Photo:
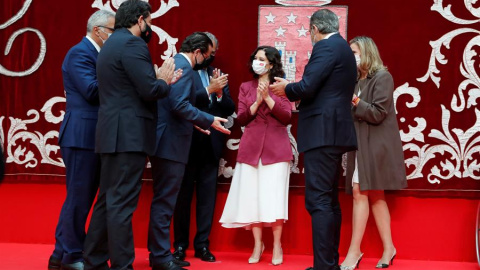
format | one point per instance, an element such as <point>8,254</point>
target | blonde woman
<point>378,164</point>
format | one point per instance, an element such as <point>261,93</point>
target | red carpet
<point>28,256</point>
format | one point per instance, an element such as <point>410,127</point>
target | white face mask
<point>108,35</point>
<point>357,59</point>
<point>259,67</point>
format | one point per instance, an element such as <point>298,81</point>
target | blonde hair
<point>370,60</point>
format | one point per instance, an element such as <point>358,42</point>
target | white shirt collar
<point>329,35</point>
<point>94,43</point>
<point>188,58</point>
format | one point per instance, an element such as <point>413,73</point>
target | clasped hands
<point>217,82</point>
<point>167,71</point>
<point>262,92</point>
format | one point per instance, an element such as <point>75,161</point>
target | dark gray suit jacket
<point>128,91</point>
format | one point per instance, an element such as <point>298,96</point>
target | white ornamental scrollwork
<point>447,12</point>
<point>19,130</point>
<point>456,147</point>
<point>415,132</point>
<point>436,55</point>
<point>459,148</point>
<point>43,43</point>
<point>468,71</point>
<point>2,134</point>
<point>164,8</point>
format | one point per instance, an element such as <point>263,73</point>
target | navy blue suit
<point>77,142</point>
<point>176,117</point>
<point>202,168</point>
<point>325,132</point>
<point>128,90</point>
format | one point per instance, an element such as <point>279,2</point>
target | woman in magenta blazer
<point>258,194</point>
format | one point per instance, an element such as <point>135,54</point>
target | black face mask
<point>198,66</point>
<point>147,34</point>
<point>207,62</point>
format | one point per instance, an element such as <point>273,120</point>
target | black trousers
<point>202,172</point>
<point>167,178</point>
<point>322,172</point>
<point>110,233</point>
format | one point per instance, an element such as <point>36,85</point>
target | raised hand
<point>263,87</point>
<point>176,75</point>
<point>166,71</point>
<point>217,83</point>
<point>216,72</point>
<point>259,99</point>
<point>278,87</point>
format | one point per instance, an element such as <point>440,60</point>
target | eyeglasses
<point>106,27</point>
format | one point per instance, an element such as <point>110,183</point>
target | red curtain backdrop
<point>430,47</point>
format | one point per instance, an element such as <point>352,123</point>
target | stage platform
<point>35,256</point>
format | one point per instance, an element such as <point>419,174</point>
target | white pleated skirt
<point>258,194</point>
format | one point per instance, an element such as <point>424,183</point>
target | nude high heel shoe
<point>279,260</point>
<point>385,265</point>
<point>252,259</point>
<point>357,263</point>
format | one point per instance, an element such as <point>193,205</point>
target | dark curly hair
<point>275,60</point>
<point>129,11</point>
<point>197,40</point>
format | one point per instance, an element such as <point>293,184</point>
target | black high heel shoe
<point>384,265</point>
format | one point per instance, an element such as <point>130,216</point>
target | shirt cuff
<point>208,94</point>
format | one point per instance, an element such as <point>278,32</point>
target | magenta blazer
<point>265,134</point>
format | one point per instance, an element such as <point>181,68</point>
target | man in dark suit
<point>129,86</point>
<point>213,97</point>
<point>176,117</point>
<point>325,129</point>
<point>77,141</point>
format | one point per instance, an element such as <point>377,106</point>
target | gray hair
<point>99,18</point>
<point>212,37</point>
<point>325,20</point>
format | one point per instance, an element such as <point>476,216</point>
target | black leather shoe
<point>204,254</point>
<point>309,268</point>
<point>179,254</point>
<point>72,266</point>
<point>167,266</point>
<point>54,263</point>
<point>181,263</point>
